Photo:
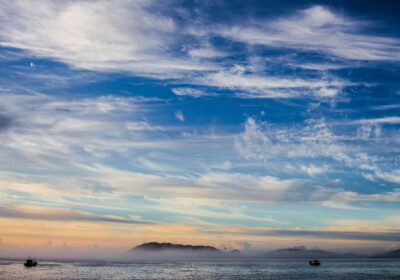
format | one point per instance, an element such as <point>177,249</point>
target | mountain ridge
<point>390,254</point>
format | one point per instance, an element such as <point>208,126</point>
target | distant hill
<point>299,253</point>
<point>156,247</point>
<point>391,254</point>
<point>235,251</point>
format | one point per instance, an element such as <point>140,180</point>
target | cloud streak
<point>61,215</point>
<point>323,234</point>
<point>305,30</point>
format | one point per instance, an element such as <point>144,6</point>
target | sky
<point>247,124</point>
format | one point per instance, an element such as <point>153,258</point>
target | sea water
<point>268,269</point>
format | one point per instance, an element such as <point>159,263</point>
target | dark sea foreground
<point>268,269</point>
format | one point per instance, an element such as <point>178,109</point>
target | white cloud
<point>384,120</point>
<point>386,107</point>
<point>253,142</point>
<point>143,126</point>
<point>318,29</point>
<point>179,115</point>
<point>368,131</point>
<point>187,91</point>
<point>321,66</point>
<point>96,35</point>
<point>101,36</point>
<point>235,181</point>
<point>109,127</point>
<point>327,92</point>
<point>239,186</point>
<point>315,139</point>
<point>393,176</point>
<point>314,170</point>
<point>255,85</point>
<point>206,53</point>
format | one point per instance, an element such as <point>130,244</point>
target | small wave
<point>92,264</point>
<point>49,264</point>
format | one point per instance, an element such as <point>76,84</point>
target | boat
<point>30,262</point>
<point>314,262</point>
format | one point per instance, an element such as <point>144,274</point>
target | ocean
<point>269,269</point>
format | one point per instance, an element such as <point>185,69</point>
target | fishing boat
<point>30,262</point>
<point>314,262</point>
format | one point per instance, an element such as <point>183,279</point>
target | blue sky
<point>218,122</point>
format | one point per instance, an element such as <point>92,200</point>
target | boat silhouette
<point>30,262</point>
<point>314,262</point>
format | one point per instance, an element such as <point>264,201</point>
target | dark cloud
<point>343,235</point>
<point>62,215</point>
<point>5,122</point>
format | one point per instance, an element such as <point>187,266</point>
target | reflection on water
<point>283,269</point>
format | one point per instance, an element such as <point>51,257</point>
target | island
<point>157,247</point>
<point>389,255</point>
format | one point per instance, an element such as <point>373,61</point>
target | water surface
<point>268,269</point>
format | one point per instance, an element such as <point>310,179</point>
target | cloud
<point>321,66</point>
<point>60,215</point>
<point>88,36</point>
<point>5,122</point>
<point>253,142</point>
<point>325,234</point>
<point>207,52</point>
<point>386,107</point>
<point>393,176</point>
<point>97,35</point>
<point>155,45</point>
<point>142,126</point>
<point>314,170</point>
<point>318,29</point>
<point>186,91</point>
<point>314,139</point>
<point>246,186</point>
<point>337,195</point>
<point>368,131</point>
<point>262,141</point>
<point>44,139</point>
<point>384,120</point>
<point>107,153</point>
<point>208,185</point>
<point>257,85</point>
<point>179,115</point>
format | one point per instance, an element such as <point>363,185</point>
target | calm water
<point>330,269</point>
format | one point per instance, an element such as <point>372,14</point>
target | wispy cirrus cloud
<point>261,85</point>
<point>97,35</point>
<point>324,234</point>
<point>155,45</point>
<point>342,36</point>
<point>61,215</point>
<point>393,176</point>
<point>187,91</point>
<point>179,115</point>
<point>383,120</point>
<point>47,136</point>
